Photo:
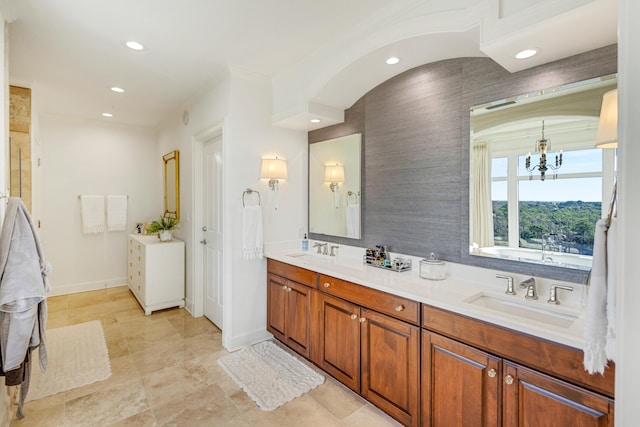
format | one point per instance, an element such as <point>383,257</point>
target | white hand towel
<point>116,213</point>
<point>595,324</point>
<point>252,232</point>
<point>92,214</point>
<point>612,258</point>
<point>353,221</point>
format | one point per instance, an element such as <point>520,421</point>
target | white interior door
<point>212,230</point>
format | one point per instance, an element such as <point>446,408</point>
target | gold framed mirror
<point>171,163</point>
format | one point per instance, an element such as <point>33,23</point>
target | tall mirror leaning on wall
<point>538,184</point>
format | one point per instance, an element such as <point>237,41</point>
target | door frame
<point>198,141</point>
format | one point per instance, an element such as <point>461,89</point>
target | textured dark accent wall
<point>415,128</point>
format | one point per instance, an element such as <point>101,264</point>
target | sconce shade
<point>607,136</point>
<point>274,169</point>
<point>334,173</point>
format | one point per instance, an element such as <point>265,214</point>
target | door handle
<point>204,241</point>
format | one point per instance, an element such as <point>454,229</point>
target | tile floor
<point>164,373</point>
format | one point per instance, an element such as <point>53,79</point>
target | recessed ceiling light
<point>117,89</point>
<point>392,60</point>
<point>107,115</point>
<point>527,53</point>
<point>315,120</point>
<point>134,45</point>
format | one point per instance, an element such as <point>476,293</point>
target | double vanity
<point>459,351</point>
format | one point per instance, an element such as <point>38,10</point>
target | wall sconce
<point>607,136</point>
<point>273,170</point>
<point>335,176</point>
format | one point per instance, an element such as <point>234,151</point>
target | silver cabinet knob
<point>363,319</point>
<point>354,316</point>
<point>204,228</point>
<point>203,241</point>
<point>508,379</point>
<point>327,284</point>
<point>400,307</point>
<point>492,373</point>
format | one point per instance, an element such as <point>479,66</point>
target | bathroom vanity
<point>156,272</point>
<point>426,354</point>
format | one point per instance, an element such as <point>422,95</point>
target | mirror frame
<point>171,162</point>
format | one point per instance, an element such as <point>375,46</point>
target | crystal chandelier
<point>542,146</point>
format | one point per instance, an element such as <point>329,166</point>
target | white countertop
<point>462,283</point>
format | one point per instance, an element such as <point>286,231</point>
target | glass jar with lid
<point>432,268</point>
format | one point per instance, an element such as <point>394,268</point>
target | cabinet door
<point>535,399</point>
<point>391,365</point>
<point>460,384</point>
<point>276,300</point>
<point>337,339</point>
<point>297,317</point>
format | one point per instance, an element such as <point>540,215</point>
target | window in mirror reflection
<point>514,214</point>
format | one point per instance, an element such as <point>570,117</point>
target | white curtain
<point>482,209</point>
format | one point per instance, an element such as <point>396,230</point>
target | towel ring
<point>250,191</point>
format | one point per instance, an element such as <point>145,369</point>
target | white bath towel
<point>353,221</point>
<point>116,213</point>
<point>252,232</point>
<point>601,288</point>
<point>612,257</point>
<point>92,213</point>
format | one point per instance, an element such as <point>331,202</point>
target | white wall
<point>241,107</point>
<point>628,315</point>
<point>92,157</point>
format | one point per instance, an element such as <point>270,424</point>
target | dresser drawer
<point>291,272</point>
<point>395,306</point>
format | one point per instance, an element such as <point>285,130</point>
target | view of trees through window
<point>559,213</point>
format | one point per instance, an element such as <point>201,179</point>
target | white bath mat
<point>270,375</point>
<point>77,355</point>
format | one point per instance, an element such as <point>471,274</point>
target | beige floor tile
<point>123,372</point>
<point>160,356</point>
<point>303,411</point>
<point>205,343</point>
<point>141,419</point>
<point>46,412</point>
<point>207,407</point>
<point>369,416</point>
<point>340,401</point>
<point>106,406</point>
<point>163,386</point>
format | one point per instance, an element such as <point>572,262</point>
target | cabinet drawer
<point>291,272</point>
<point>395,306</point>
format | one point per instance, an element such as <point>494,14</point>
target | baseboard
<point>87,286</point>
<point>244,340</point>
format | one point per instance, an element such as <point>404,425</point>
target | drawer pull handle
<point>327,284</point>
<point>508,379</point>
<point>363,319</point>
<point>354,316</point>
<point>492,373</point>
<point>400,307</point>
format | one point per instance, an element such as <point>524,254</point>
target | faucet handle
<point>530,281</point>
<point>553,293</point>
<point>510,290</point>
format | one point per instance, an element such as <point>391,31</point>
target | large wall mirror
<point>334,187</point>
<point>517,212</point>
<point>171,162</point>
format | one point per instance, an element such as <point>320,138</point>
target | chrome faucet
<point>530,286</point>
<point>510,290</point>
<point>333,250</point>
<point>553,293</point>
<point>322,248</point>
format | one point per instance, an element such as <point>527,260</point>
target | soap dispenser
<point>305,243</point>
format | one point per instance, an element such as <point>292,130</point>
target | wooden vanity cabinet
<point>481,375</point>
<point>289,305</point>
<point>372,353</point>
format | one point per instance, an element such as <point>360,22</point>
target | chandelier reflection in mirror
<point>542,146</point>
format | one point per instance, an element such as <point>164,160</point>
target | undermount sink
<point>555,316</point>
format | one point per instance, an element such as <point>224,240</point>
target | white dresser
<point>156,272</point>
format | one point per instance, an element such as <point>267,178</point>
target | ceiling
<point>72,52</point>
